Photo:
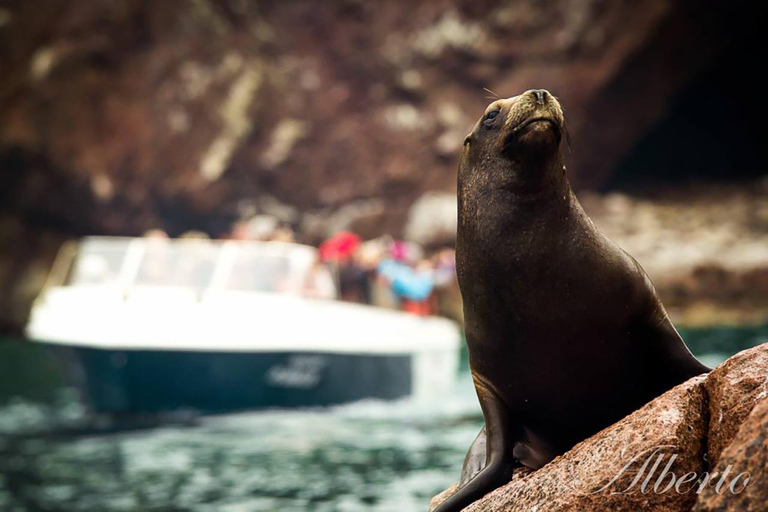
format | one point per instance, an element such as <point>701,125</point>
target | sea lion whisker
<point>566,136</point>
<point>494,95</point>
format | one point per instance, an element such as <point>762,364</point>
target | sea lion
<point>566,333</point>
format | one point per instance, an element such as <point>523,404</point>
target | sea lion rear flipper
<point>667,348</point>
<point>668,361</point>
<point>499,460</point>
<point>671,351</point>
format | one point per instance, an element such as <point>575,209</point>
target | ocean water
<point>365,456</point>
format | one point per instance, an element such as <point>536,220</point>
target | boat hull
<point>153,381</point>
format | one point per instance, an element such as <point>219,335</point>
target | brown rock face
<point>598,474</point>
<point>118,117</point>
<point>121,116</point>
<point>747,455</point>
<point>734,388</point>
<point>26,256</point>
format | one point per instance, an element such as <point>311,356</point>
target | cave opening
<point>712,132</point>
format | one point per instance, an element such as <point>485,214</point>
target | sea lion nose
<point>540,95</point>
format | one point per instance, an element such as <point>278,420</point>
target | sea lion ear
<point>467,139</point>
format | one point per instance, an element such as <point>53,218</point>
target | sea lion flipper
<point>654,326</point>
<point>475,460</point>
<point>499,459</point>
<point>670,350</point>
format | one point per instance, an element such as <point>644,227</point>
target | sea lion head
<point>516,143</point>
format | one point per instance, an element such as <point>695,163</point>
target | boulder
<point>440,498</point>
<point>734,388</point>
<point>745,462</point>
<point>701,446</point>
<point>601,473</point>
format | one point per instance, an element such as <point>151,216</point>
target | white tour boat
<point>155,325</point>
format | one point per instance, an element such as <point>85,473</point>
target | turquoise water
<point>364,456</point>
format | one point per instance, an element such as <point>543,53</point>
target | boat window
<point>271,269</point>
<point>98,262</point>
<point>202,264</point>
<point>186,263</point>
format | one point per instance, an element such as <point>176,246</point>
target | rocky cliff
<point>701,446</point>
<point>121,116</point>
<point>117,117</point>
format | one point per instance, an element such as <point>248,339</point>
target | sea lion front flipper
<point>475,460</point>
<point>499,460</point>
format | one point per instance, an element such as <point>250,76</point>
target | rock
<point>169,115</point>
<point>174,110</point>
<point>707,424</point>
<point>747,455</point>
<point>27,254</point>
<point>437,500</point>
<point>432,219</point>
<point>734,388</point>
<point>585,478</point>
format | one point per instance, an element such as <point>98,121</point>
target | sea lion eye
<point>490,116</point>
